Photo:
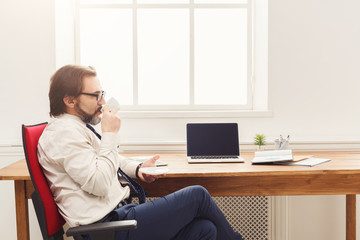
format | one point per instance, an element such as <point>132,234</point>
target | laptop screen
<point>212,139</point>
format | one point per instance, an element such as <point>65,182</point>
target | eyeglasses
<point>98,96</point>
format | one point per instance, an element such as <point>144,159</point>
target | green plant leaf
<point>259,139</point>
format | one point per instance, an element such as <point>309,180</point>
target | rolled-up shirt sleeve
<point>129,166</point>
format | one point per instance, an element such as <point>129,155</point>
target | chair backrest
<point>50,220</point>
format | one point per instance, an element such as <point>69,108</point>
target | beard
<point>88,118</point>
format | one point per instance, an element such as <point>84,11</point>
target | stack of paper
<point>285,157</point>
<point>307,162</point>
<point>272,156</point>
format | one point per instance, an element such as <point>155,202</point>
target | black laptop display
<point>213,142</point>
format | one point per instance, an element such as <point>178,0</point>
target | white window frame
<point>257,90</point>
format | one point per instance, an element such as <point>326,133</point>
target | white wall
<point>314,90</point>
<point>27,60</point>
<point>314,54</point>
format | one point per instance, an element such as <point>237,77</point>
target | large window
<point>169,54</point>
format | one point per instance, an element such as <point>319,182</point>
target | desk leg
<point>351,217</point>
<point>22,214</point>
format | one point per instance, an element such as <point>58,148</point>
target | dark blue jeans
<point>188,214</point>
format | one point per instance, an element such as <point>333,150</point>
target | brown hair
<point>66,81</point>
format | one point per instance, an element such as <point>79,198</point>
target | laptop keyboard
<point>214,157</point>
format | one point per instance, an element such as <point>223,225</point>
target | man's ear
<point>69,101</point>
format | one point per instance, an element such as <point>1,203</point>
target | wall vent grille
<point>250,216</point>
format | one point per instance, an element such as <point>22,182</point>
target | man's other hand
<point>149,163</point>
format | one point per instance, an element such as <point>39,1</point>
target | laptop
<point>212,143</point>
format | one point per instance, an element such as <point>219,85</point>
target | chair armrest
<point>102,227</point>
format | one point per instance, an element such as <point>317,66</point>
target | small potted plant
<point>259,141</point>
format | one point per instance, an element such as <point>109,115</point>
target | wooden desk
<point>341,176</point>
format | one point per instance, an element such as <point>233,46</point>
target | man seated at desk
<point>83,169</point>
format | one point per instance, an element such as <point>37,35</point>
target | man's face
<point>88,107</point>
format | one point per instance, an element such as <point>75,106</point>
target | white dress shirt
<point>82,170</point>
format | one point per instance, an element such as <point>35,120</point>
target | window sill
<point>197,114</point>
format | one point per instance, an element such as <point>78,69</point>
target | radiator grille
<point>247,215</point>
<point>250,216</point>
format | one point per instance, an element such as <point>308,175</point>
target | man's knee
<point>198,190</point>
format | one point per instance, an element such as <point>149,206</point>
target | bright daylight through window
<point>168,54</point>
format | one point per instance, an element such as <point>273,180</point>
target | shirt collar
<point>71,116</point>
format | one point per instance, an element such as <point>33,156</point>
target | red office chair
<point>50,221</point>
